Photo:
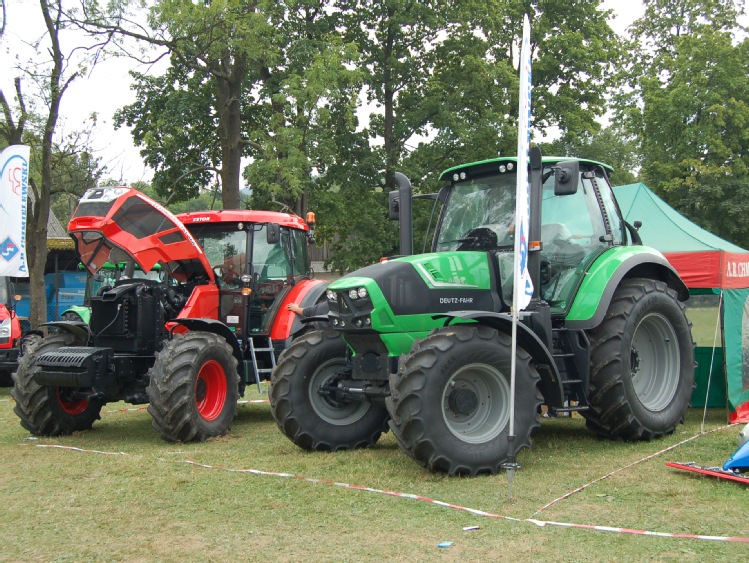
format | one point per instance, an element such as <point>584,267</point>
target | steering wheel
<point>269,289</point>
<point>481,238</point>
<point>551,232</point>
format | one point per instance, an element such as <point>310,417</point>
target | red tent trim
<point>741,415</point>
<point>711,269</point>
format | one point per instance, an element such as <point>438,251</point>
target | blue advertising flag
<point>14,188</point>
<point>523,285</point>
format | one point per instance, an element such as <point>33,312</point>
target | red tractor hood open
<point>120,224</point>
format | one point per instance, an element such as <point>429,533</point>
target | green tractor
<point>426,345</point>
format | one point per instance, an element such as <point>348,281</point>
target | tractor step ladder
<point>565,358</point>
<point>267,348</point>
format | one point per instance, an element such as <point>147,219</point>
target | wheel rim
<point>330,410</point>
<point>655,362</point>
<point>476,403</point>
<point>210,390</point>
<point>72,408</point>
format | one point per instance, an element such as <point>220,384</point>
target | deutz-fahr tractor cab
<point>186,343</point>
<point>428,346</point>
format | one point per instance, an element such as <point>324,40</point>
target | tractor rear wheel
<point>193,388</point>
<point>316,420</point>
<point>450,401</point>
<point>46,410</point>
<point>642,364</point>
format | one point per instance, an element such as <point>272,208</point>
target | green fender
<point>80,310</point>
<point>606,273</point>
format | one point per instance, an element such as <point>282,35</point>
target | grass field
<point>704,320</point>
<point>127,495</point>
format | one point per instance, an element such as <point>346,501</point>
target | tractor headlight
<point>353,294</point>
<point>330,294</point>
<point>362,292</point>
<point>5,328</point>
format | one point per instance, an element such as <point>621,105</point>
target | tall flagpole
<point>522,283</point>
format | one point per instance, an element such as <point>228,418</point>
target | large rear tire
<point>316,421</point>
<point>642,364</point>
<point>46,410</point>
<point>450,401</point>
<point>193,388</point>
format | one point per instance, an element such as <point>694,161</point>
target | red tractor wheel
<point>45,410</point>
<point>193,388</point>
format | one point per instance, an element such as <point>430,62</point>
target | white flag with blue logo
<point>14,188</point>
<point>523,286</point>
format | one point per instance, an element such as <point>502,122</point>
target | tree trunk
<point>229,109</point>
<point>36,253</point>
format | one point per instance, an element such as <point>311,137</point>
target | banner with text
<point>14,187</point>
<point>522,282</point>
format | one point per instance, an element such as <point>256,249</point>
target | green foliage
<point>172,120</point>
<point>610,146</point>
<point>439,80</point>
<point>694,111</point>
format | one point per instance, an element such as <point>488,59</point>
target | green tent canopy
<point>705,262</point>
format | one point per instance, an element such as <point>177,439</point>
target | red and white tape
<point>540,523</point>
<point>646,458</point>
<point>477,512</point>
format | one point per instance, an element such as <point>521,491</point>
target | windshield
<point>479,214</point>
<point>225,246</point>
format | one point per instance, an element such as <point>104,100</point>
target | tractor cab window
<point>299,254</point>
<point>572,235</point>
<point>4,293</point>
<point>271,261</point>
<point>479,215</point>
<point>610,207</point>
<point>226,250</point>
<point>271,272</point>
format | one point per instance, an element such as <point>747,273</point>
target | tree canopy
<point>314,104</point>
<point>689,109</point>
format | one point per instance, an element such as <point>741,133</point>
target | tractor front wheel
<point>305,404</point>
<point>45,410</point>
<point>450,401</point>
<point>193,388</point>
<point>642,363</point>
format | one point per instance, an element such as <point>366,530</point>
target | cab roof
<point>482,167</point>
<point>243,216</point>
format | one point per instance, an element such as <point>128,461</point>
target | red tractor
<point>10,332</point>
<point>186,344</point>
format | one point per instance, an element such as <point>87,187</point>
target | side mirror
<point>394,206</point>
<point>273,233</point>
<point>566,177</point>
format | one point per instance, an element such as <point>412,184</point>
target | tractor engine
<point>130,317</point>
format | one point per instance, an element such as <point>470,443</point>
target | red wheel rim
<point>210,390</point>
<point>71,407</point>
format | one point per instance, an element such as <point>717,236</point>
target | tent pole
<point>712,360</point>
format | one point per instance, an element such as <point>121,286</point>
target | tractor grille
<point>67,357</point>
<point>73,366</point>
